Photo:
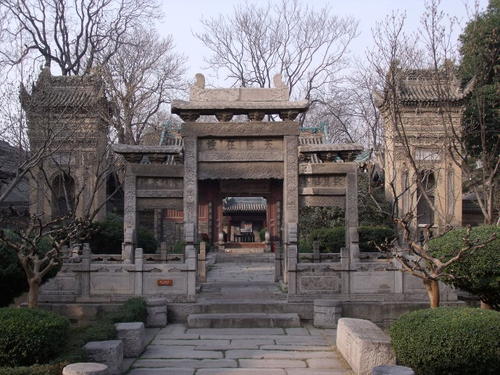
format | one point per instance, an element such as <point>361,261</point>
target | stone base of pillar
<point>157,312</point>
<point>327,312</point>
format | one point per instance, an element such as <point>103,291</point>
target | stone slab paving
<point>237,351</point>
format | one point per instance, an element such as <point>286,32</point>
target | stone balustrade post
<point>316,254</point>
<point>139,268</point>
<point>129,215</point>
<point>85,268</point>
<point>163,252</point>
<point>267,241</point>
<point>351,214</point>
<point>202,262</point>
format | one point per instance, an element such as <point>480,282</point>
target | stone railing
<point>106,278</point>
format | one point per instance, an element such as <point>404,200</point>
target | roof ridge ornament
<point>256,102</point>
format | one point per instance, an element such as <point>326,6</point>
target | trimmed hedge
<point>477,273</point>
<point>332,239</point>
<point>445,341</point>
<point>107,237</point>
<point>12,277</point>
<point>13,281</point>
<point>30,336</point>
<point>370,236</point>
<point>63,345</point>
<point>55,369</point>
<point>134,310</point>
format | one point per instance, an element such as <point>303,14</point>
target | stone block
<point>327,312</point>
<point>133,336</point>
<point>363,345</point>
<point>392,370</point>
<point>85,368</point>
<point>157,312</point>
<point>108,352</point>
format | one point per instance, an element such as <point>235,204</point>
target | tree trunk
<point>432,287</point>
<point>485,306</point>
<point>34,287</point>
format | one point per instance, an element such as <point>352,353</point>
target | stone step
<point>243,258</point>
<point>255,306</point>
<point>244,250</point>
<point>238,290</point>
<point>244,320</point>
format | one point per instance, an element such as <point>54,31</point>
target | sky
<point>182,19</point>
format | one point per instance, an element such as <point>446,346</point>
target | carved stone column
<point>129,216</point>
<point>291,210</point>
<point>190,210</point>
<point>139,268</point>
<point>351,214</point>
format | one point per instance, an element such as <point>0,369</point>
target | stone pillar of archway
<point>190,210</point>
<point>291,210</point>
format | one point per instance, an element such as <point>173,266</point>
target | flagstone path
<point>177,350</point>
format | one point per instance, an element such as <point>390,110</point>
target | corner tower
<point>67,133</point>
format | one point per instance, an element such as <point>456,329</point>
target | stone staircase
<point>246,312</point>
<point>241,293</point>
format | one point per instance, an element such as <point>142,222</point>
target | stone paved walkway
<point>228,272</point>
<point>176,350</point>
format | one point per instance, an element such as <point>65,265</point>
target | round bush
<point>445,341</point>
<point>107,237</point>
<point>477,273</point>
<point>29,336</point>
<point>371,236</point>
<point>12,277</point>
<point>330,239</point>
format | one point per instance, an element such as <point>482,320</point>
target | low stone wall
<point>81,280</point>
<point>365,280</point>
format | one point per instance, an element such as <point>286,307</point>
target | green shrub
<point>179,247</point>
<point>12,277</point>
<point>99,330</point>
<point>30,336</point>
<point>330,239</point>
<point>305,246</point>
<point>448,341</point>
<point>53,369</point>
<point>478,272</point>
<point>134,310</point>
<point>262,234</point>
<point>107,237</point>
<point>146,241</point>
<point>311,218</point>
<point>371,236</point>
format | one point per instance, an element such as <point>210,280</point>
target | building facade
<point>186,181</point>
<point>67,129</point>
<point>422,114</point>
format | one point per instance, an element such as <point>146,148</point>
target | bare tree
<point>416,77</point>
<point>306,46</point>
<point>39,245</point>
<point>416,259</point>
<point>75,35</point>
<point>144,75</point>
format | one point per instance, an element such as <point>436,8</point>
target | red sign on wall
<point>165,282</point>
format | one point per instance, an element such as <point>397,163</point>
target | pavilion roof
<point>64,92</point>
